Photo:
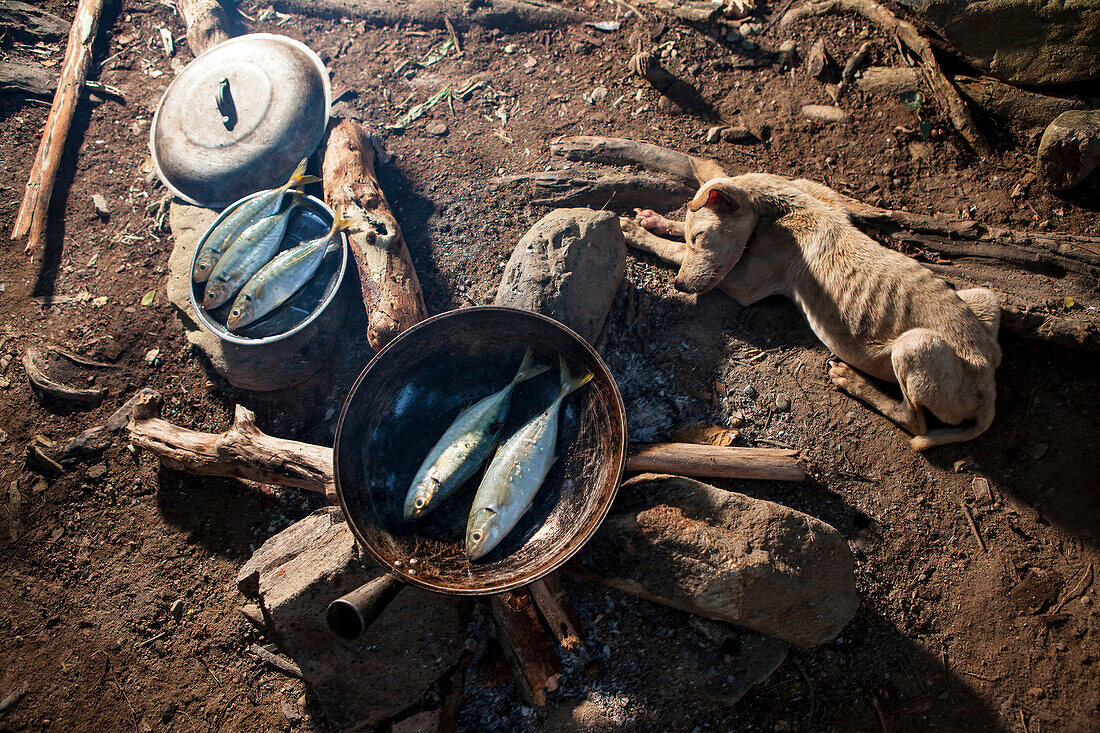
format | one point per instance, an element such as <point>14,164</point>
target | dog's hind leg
<point>986,306</point>
<point>906,414</point>
<point>932,376</point>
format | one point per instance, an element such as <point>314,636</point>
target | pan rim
<point>500,587</point>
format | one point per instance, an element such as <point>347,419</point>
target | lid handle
<point>225,104</point>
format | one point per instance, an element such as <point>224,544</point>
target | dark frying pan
<point>403,402</point>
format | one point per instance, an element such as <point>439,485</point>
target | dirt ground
<point>118,607</point>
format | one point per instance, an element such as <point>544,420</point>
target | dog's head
<point>719,222</point>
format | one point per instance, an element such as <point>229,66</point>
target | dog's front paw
<point>632,230</point>
<point>841,374</point>
<point>652,221</point>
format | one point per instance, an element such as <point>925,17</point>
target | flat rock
<point>1011,103</point>
<point>1021,41</point>
<point>726,556</point>
<point>360,683</point>
<point>1069,149</point>
<point>825,114</point>
<point>567,266</point>
<point>265,367</point>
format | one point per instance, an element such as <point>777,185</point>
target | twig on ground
<point>973,525</point>
<point>150,640</point>
<point>975,675</point>
<point>851,66</point>
<point>283,665</point>
<point>454,36</point>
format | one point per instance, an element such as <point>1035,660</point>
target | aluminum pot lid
<point>239,118</point>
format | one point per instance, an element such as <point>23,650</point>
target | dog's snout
<point>680,285</point>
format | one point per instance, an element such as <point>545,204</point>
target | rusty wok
<point>402,403</point>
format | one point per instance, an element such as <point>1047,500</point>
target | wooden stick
<point>685,95</point>
<point>391,290</point>
<point>243,451</point>
<point>283,665</point>
<point>690,459</point>
<point>34,211</point>
<point>617,192</point>
<point>558,612</point>
<point>907,33</point>
<point>514,15</point>
<point>621,151</point>
<point>207,23</point>
<point>536,667</point>
<point>973,525</point>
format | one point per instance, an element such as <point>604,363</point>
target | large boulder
<point>726,556</point>
<point>1069,149</point>
<point>1021,41</point>
<point>567,266</point>
<point>360,683</point>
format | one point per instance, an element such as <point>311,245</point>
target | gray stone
<point>782,402</point>
<point>825,114</point>
<point>360,683</point>
<point>437,128</point>
<point>726,556</point>
<point>890,79</point>
<point>265,367</point>
<point>1069,149</point>
<point>567,266</point>
<point>1021,41</point>
<point>1010,103</point>
<point>714,134</point>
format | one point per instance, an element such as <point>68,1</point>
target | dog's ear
<point>717,195</point>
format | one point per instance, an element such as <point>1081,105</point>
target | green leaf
<point>149,297</point>
<point>1068,303</point>
<point>925,129</point>
<point>912,100</point>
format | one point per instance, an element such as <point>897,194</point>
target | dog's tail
<point>954,435</point>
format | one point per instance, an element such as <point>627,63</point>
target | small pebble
<point>97,471</point>
<point>749,391</point>
<point>176,609</point>
<point>437,128</point>
<point>782,402</point>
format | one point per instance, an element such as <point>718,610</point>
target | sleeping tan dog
<point>757,235</point>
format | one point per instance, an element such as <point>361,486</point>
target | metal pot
<point>404,400</point>
<point>312,220</point>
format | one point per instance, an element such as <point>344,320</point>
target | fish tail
<point>528,369</point>
<point>299,177</point>
<point>569,385</point>
<point>340,224</point>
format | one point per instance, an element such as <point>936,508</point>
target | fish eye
<point>419,503</point>
<point>476,536</point>
<point>236,311</point>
